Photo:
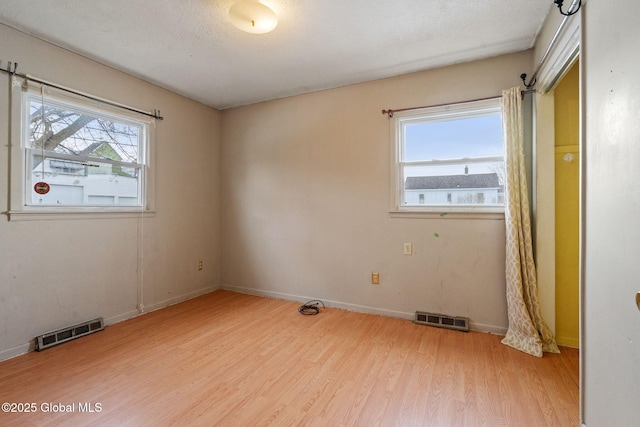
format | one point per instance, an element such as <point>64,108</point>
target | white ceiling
<point>190,47</point>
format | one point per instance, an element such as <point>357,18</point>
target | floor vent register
<point>442,321</point>
<point>69,333</point>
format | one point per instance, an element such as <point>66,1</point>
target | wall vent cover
<point>69,333</point>
<point>442,321</point>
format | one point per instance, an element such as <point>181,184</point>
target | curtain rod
<point>554,39</point>
<point>12,72</point>
<point>390,113</point>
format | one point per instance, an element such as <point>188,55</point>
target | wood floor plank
<point>230,359</point>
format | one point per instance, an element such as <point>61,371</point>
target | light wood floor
<point>239,360</point>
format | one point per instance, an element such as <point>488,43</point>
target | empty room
<point>242,212</point>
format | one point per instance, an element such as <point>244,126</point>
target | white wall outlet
<point>408,249</point>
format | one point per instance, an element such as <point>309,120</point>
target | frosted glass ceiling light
<point>253,17</point>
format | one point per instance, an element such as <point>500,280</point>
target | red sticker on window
<point>41,188</point>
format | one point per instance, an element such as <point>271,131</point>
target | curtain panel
<point>527,330</point>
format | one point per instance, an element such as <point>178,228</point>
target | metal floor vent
<point>442,321</point>
<point>69,333</point>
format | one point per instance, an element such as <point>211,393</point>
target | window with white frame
<point>80,155</point>
<point>449,159</point>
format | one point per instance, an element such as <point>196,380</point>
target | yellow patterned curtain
<point>527,330</point>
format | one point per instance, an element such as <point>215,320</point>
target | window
<point>449,159</point>
<point>79,155</point>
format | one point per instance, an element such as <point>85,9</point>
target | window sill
<point>491,213</point>
<point>50,214</point>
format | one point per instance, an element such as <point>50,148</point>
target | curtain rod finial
<point>569,11</point>
<point>531,84</point>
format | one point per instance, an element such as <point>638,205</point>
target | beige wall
<point>305,198</point>
<point>54,273</point>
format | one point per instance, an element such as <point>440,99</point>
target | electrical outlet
<point>408,248</point>
<point>375,278</point>
<point>200,265</point>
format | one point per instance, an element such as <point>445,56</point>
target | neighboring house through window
<point>454,189</point>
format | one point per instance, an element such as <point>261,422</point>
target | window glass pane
<point>75,183</point>
<point>454,139</point>
<point>457,168</point>
<point>72,131</point>
<point>60,194</point>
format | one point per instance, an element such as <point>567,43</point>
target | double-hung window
<point>81,156</point>
<point>448,159</point>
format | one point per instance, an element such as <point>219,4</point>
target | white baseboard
<point>120,317</point>
<point>30,346</point>
<point>16,351</point>
<point>498,330</point>
<point>330,303</point>
<point>180,298</point>
<point>491,329</point>
<point>158,305</point>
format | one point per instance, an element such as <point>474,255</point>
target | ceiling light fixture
<point>253,17</point>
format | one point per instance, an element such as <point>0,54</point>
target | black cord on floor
<point>310,308</point>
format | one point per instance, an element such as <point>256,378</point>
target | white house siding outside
<point>82,187</point>
<point>453,196</point>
